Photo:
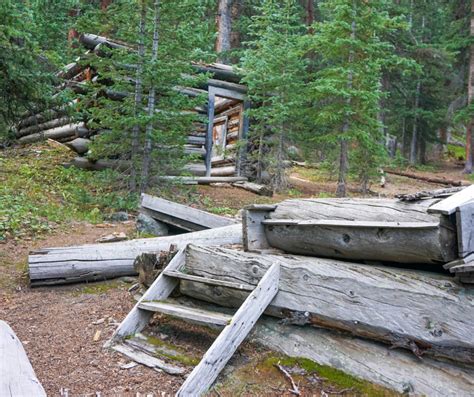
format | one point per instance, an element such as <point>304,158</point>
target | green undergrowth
<point>98,288</point>
<point>38,194</point>
<point>331,376</point>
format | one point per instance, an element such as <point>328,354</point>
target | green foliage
<point>183,37</point>
<point>38,195</point>
<point>274,72</point>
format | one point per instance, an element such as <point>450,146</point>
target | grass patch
<point>37,194</point>
<point>315,175</point>
<point>457,152</point>
<point>172,352</point>
<point>98,288</point>
<point>331,376</point>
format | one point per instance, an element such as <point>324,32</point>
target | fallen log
<point>395,369</point>
<point>91,41</point>
<point>42,127</point>
<point>358,229</point>
<point>79,145</point>
<point>426,313</point>
<point>100,165</point>
<point>55,133</point>
<point>45,115</point>
<point>17,376</point>
<point>261,190</point>
<point>202,180</point>
<point>200,170</point>
<point>440,181</point>
<point>439,193</point>
<point>182,216</point>
<point>66,265</point>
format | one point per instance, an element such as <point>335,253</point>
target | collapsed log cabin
<point>215,142</point>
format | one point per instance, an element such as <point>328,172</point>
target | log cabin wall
<point>214,143</point>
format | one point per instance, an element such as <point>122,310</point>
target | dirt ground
<point>57,325</point>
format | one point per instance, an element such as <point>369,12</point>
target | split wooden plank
<point>465,228</point>
<point>448,206</point>
<point>427,313</point>
<point>104,261</point>
<point>138,318</point>
<point>183,216</point>
<point>468,267</point>
<point>17,376</point>
<point>215,359</point>
<point>148,360</point>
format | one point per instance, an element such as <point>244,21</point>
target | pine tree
<point>346,88</point>
<point>274,72</point>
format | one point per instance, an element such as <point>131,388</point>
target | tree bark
<point>224,28</point>
<point>138,97</point>
<point>53,266</point>
<point>151,105</point>
<point>414,134</point>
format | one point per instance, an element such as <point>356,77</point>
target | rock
<point>120,216</point>
<point>148,225</point>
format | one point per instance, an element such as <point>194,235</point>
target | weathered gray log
<point>423,312</point>
<point>394,369</point>
<point>362,229</point>
<point>17,376</point>
<point>200,170</point>
<point>55,133</point>
<point>261,190</point>
<point>65,265</point>
<point>45,116</point>
<point>100,165</point>
<point>219,71</point>
<point>203,180</point>
<point>79,145</point>
<point>42,127</point>
<point>449,205</point>
<point>182,216</point>
<point>465,229</point>
<point>91,41</point>
<point>438,193</point>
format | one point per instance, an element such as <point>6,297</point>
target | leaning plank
<point>374,362</point>
<point>215,359</point>
<point>104,261</point>
<point>75,129</point>
<point>183,216</point>
<point>17,377</point>
<point>465,229</point>
<point>424,312</point>
<point>448,206</point>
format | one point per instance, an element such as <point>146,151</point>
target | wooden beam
<point>210,128</point>
<point>448,206</point>
<point>465,229</point>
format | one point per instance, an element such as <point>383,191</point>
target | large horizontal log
<point>363,229</point>
<point>100,165</point>
<point>394,369</point>
<point>17,376</point>
<point>182,216</point>
<point>75,129</point>
<point>219,72</point>
<point>200,170</point>
<point>104,261</point>
<point>423,312</point>
<point>42,127</point>
<point>45,115</point>
<point>79,145</point>
<point>91,41</point>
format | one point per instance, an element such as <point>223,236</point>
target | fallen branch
<point>441,181</point>
<point>439,193</point>
<point>294,389</point>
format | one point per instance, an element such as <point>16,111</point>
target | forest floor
<point>42,205</point>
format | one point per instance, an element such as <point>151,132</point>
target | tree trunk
<point>470,96</point>
<point>310,15</point>
<point>52,266</point>
<point>414,134</point>
<point>344,145</point>
<point>224,28</point>
<point>151,106</point>
<point>138,97</point>
<point>428,314</point>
